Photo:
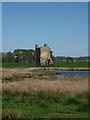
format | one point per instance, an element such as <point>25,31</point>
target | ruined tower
<point>43,55</point>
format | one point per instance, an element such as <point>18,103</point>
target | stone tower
<point>43,55</point>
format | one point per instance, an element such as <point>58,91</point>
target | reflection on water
<point>71,73</point>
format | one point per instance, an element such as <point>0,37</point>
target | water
<point>72,73</point>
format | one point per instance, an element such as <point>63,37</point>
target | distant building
<point>43,55</point>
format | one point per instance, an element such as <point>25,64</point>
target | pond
<point>72,73</point>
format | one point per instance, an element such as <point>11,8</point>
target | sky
<point>45,0</point>
<point>62,25</point>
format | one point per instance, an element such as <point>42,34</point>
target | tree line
<point>19,55</point>
<point>28,56</point>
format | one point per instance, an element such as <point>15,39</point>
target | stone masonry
<point>43,55</point>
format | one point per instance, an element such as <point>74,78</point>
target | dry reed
<point>76,87</point>
<point>75,84</point>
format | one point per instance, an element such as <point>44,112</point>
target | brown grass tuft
<point>11,113</point>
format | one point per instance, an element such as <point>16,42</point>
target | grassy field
<point>16,65</point>
<point>61,64</point>
<point>38,94</point>
<point>44,105</point>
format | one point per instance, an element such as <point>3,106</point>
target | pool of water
<point>72,73</point>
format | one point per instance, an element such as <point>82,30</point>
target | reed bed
<point>28,94</point>
<point>75,87</point>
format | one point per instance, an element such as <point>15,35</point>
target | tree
<point>22,55</point>
<point>4,57</point>
<point>0,59</point>
<point>10,57</point>
<point>52,56</point>
<point>69,59</point>
<point>17,55</point>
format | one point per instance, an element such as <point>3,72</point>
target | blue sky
<point>63,26</point>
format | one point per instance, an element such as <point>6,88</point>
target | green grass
<point>16,65</point>
<point>43,105</point>
<point>74,64</point>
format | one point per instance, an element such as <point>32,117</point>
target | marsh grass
<point>11,113</point>
<point>84,106</point>
<point>50,96</point>
<point>61,85</point>
<point>37,94</point>
<point>43,104</point>
<point>21,75</point>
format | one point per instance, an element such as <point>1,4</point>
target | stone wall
<point>43,55</point>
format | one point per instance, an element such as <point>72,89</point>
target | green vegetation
<point>74,64</point>
<point>44,105</point>
<point>24,95</point>
<point>26,58</point>
<point>36,74</point>
<point>16,65</point>
<point>19,55</point>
